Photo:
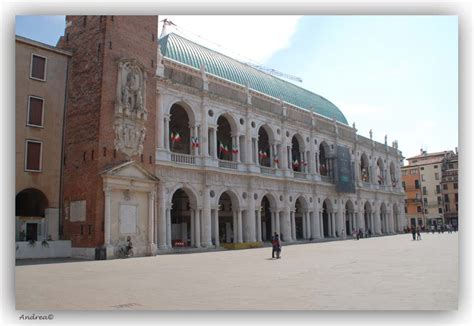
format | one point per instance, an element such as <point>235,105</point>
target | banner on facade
<point>345,175</point>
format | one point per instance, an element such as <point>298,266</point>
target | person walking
<point>360,234</point>
<point>276,246</point>
<point>413,232</point>
<point>275,240</point>
<point>418,234</point>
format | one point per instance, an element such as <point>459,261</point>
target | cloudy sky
<point>396,75</point>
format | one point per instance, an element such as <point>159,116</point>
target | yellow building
<point>41,72</point>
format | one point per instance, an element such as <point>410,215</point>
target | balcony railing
<point>227,165</point>
<point>183,158</point>
<point>299,175</point>
<point>267,170</point>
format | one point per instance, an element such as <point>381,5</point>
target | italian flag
<point>175,138</point>
<point>195,142</point>
<point>223,148</point>
<point>235,150</point>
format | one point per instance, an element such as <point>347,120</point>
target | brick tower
<point>110,115</point>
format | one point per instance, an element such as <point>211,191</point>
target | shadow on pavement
<point>23,262</point>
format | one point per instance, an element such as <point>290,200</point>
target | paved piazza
<point>385,273</point>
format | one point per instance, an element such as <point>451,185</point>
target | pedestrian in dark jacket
<point>413,233</point>
<point>275,244</point>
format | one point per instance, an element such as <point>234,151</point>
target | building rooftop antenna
<point>165,31</point>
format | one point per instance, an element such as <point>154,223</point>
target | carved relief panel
<point>130,108</point>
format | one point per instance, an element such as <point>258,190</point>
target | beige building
<point>449,186</point>
<point>430,169</point>
<point>41,72</point>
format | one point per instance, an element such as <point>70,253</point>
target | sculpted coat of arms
<point>130,110</point>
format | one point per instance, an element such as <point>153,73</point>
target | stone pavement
<point>383,273</point>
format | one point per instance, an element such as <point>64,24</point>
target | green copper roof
<point>187,52</point>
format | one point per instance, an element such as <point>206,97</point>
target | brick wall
<point>97,44</point>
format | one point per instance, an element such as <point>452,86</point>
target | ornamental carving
<point>130,110</point>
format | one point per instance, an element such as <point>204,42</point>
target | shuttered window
<point>35,111</point>
<point>38,67</point>
<point>33,155</point>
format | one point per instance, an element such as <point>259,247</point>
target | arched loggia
<point>297,154</point>
<point>325,168</point>
<point>328,219</point>
<point>265,150</point>
<point>230,218</point>
<point>180,125</point>
<point>350,221</point>
<point>302,223</point>
<point>368,220</point>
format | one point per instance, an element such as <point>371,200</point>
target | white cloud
<point>247,38</point>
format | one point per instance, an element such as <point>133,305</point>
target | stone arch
<point>297,153</point>
<point>226,132</point>
<point>267,207</point>
<point>31,202</point>
<point>265,139</point>
<point>368,218</point>
<point>228,224</point>
<point>181,124</point>
<point>30,210</point>
<point>384,222</point>
<point>301,218</point>
<point>327,211</point>
<point>234,196</point>
<point>324,161</point>
<point>364,168</point>
<point>188,189</point>
<point>396,217</point>
<point>349,213</point>
<point>187,107</point>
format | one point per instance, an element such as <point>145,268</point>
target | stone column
<point>318,164</point>
<point>286,230</point>
<point>197,227</point>
<point>206,220</point>
<point>151,218</point>
<point>293,225</point>
<point>251,219</point>
<point>167,131</point>
<point>204,141</point>
<point>235,226</point>
<point>272,151</point>
<point>259,225</point>
<point>192,213</point>
<point>290,158</point>
<point>321,225</point>
<point>284,157</point>
<point>239,223</point>
<point>107,216</point>
<point>162,217</point>
<point>196,135</point>
<point>277,222</point>
<point>215,218</point>
<point>333,224</point>
<point>214,142</point>
<point>255,149</point>
<point>168,227</point>
<point>308,225</point>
